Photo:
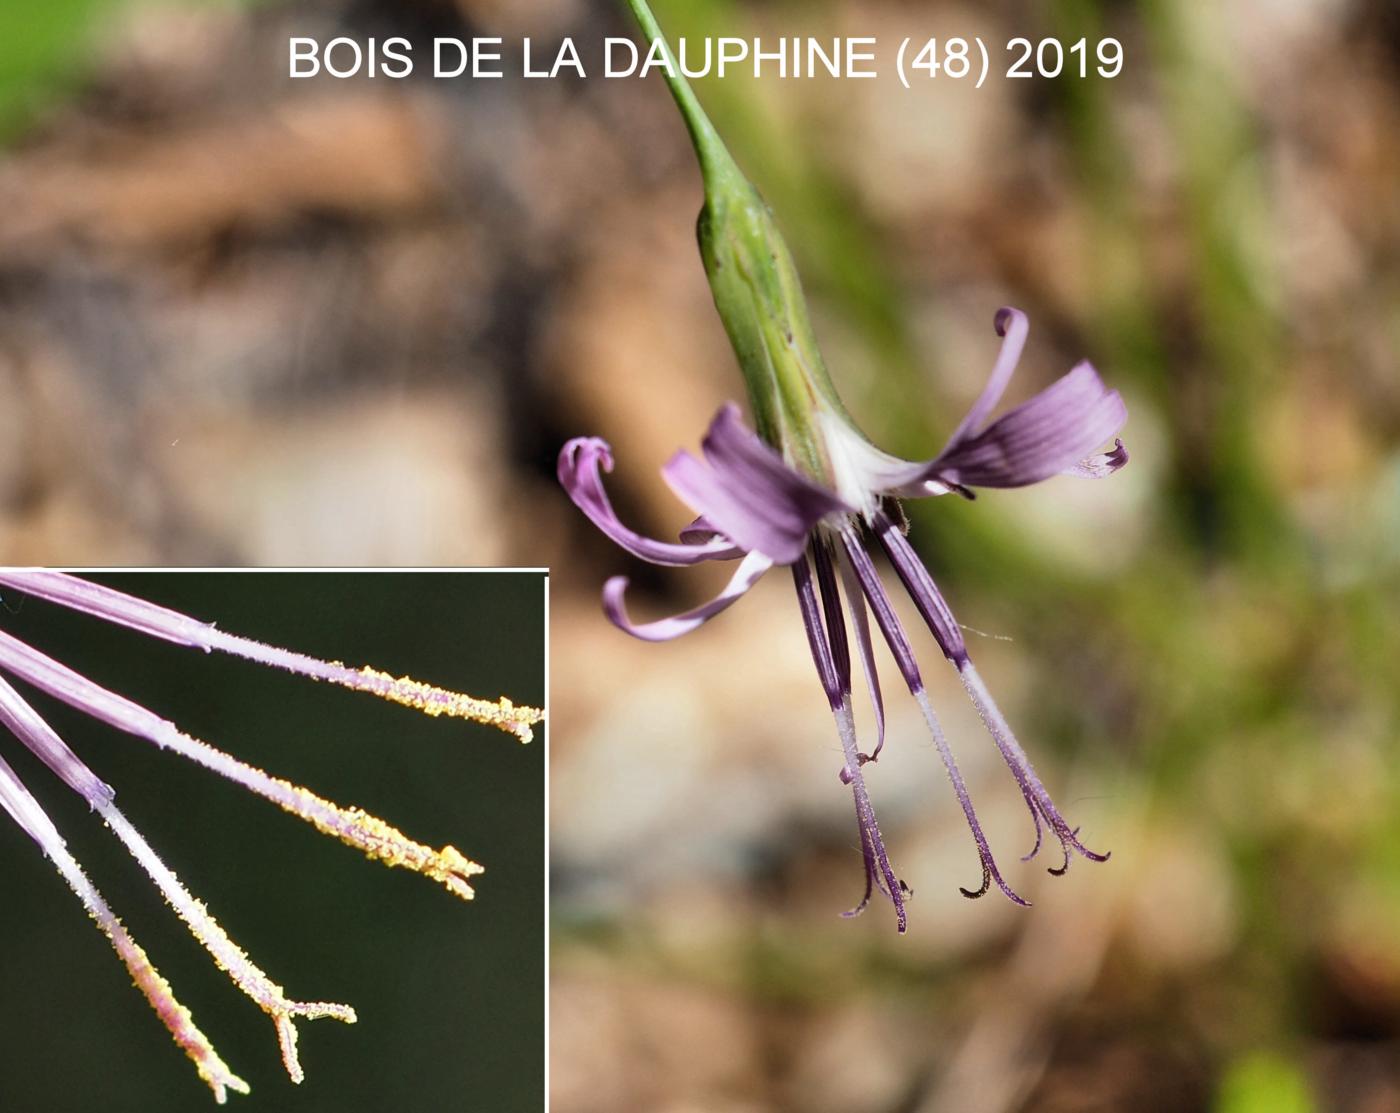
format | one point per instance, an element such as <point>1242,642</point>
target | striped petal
<point>745,490</point>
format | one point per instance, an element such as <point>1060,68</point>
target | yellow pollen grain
<point>384,842</point>
<point>178,1020</point>
<point>432,700</point>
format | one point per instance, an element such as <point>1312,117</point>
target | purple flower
<point>353,826</point>
<point>816,504</point>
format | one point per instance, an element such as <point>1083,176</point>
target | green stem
<point>715,159</point>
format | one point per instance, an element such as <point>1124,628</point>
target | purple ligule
<point>1042,437</point>
<point>1054,433</point>
<point>581,463</point>
<point>750,570</point>
<point>746,492</point>
<point>921,588</point>
<point>26,725</point>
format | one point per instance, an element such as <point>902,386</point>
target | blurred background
<point>245,319</point>
<point>450,996</point>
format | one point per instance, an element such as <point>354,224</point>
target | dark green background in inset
<point>450,994</point>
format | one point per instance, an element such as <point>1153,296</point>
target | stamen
<point>175,1016</point>
<point>227,955</point>
<point>837,684</point>
<point>877,862</point>
<point>518,720</point>
<point>1037,798</point>
<point>355,827</point>
<point>869,855</point>
<point>893,630</point>
<point>1039,829</point>
<point>352,826</point>
<point>990,872</point>
<point>138,614</point>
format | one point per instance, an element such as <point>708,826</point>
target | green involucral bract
<point>756,290</point>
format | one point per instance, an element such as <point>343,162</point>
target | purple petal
<point>745,576</point>
<point>1042,437</point>
<point>1055,432</point>
<point>744,490</point>
<point>581,463</point>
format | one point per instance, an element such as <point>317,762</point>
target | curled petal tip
<point>582,463</point>
<point>1005,317</point>
<point>572,450</point>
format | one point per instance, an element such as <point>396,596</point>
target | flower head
<point>353,826</point>
<point>808,490</point>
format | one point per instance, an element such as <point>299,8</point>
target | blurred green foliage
<point>42,47</point>
<point>1265,1084</point>
<point>45,49</point>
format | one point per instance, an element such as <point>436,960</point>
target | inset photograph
<point>212,771</point>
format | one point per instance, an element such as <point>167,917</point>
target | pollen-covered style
<point>352,826</point>
<point>810,491</point>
